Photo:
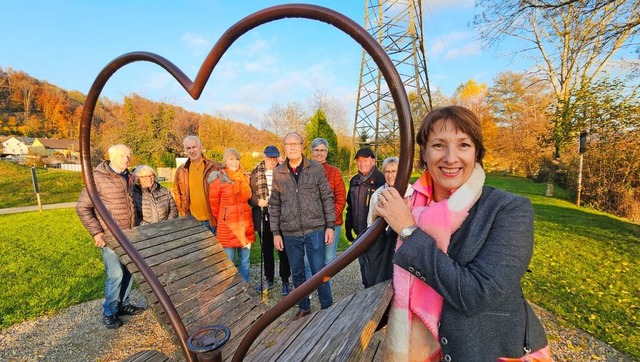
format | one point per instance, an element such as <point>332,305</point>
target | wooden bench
<point>206,288</point>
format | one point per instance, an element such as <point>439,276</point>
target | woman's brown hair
<point>463,119</point>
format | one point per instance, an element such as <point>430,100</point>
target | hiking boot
<point>286,288</point>
<point>270,284</point>
<point>111,321</point>
<point>129,309</point>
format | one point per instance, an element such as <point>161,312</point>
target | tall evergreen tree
<point>319,127</point>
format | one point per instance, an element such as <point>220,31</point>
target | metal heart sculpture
<point>195,88</point>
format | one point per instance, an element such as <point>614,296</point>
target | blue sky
<point>68,42</point>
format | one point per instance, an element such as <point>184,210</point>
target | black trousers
<point>378,258</point>
<point>269,258</point>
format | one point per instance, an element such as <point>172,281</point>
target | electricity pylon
<point>397,25</point>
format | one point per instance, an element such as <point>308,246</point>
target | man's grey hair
<point>119,147</point>
<point>319,141</point>
<point>389,160</point>
<point>296,134</point>
<point>192,137</point>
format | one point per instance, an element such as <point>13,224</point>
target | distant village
<point>48,152</point>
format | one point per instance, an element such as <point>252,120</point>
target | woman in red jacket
<point>229,193</point>
<point>320,151</point>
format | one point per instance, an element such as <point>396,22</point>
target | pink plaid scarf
<point>416,339</point>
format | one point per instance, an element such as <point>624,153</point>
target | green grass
<point>48,262</point>
<point>584,266</point>
<point>16,185</point>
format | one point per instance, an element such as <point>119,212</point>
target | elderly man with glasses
<point>302,216</point>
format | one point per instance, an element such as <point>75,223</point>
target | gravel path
<point>77,334</point>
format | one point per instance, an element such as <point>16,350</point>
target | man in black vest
<point>361,187</point>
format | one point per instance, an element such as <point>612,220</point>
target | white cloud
<point>258,46</point>
<point>198,44</point>
<point>159,80</point>
<point>464,51</point>
<point>436,5</point>
<point>457,44</point>
<point>242,113</point>
<point>226,70</point>
<point>443,43</point>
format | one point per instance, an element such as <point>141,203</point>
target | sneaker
<point>286,288</point>
<point>111,322</point>
<point>129,309</point>
<point>270,284</point>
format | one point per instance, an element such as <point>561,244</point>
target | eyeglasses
<point>146,176</point>
<point>318,150</point>
<point>292,145</point>
<point>392,172</point>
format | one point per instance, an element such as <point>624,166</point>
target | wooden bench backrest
<point>193,268</point>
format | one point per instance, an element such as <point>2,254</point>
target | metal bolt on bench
<point>208,341</point>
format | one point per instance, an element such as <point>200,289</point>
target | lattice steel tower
<point>397,25</point>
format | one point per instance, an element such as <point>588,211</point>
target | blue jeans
<point>213,229</point>
<point>312,245</point>
<point>329,255</point>
<point>243,262</point>
<point>118,283</point>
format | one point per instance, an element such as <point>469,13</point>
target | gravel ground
<point>77,334</point>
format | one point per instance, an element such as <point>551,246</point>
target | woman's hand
<point>394,209</point>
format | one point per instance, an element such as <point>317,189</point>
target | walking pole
<point>265,293</point>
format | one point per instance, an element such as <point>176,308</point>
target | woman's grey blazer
<point>483,317</point>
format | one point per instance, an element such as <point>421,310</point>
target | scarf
<point>262,189</point>
<point>236,178</point>
<point>416,339</point>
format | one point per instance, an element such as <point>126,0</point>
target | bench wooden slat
<point>340,333</point>
<point>364,314</point>
<point>373,353</point>
<point>147,356</point>
<point>206,288</point>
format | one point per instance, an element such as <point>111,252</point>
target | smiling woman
<point>462,251</point>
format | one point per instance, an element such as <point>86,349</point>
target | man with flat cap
<point>261,182</point>
<point>361,187</point>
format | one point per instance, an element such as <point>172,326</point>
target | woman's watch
<point>406,232</point>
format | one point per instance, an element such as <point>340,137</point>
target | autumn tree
<point>518,103</point>
<point>610,112</point>
<point>473,96</point>
<point>570,41</point>
<point>282,119</point>
<point>23,89</point>
<point>56,108</point>
<point>5,91</point>
<point>335,112</point>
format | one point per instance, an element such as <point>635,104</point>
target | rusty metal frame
<point>194,89</point>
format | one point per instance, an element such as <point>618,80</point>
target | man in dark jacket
<point>361,187</point>
<point>190,187</point>
<point>302,216</point>
<point>112,182</point>
<point>261,183</point>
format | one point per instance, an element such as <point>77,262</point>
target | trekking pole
<point>265,293</point>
